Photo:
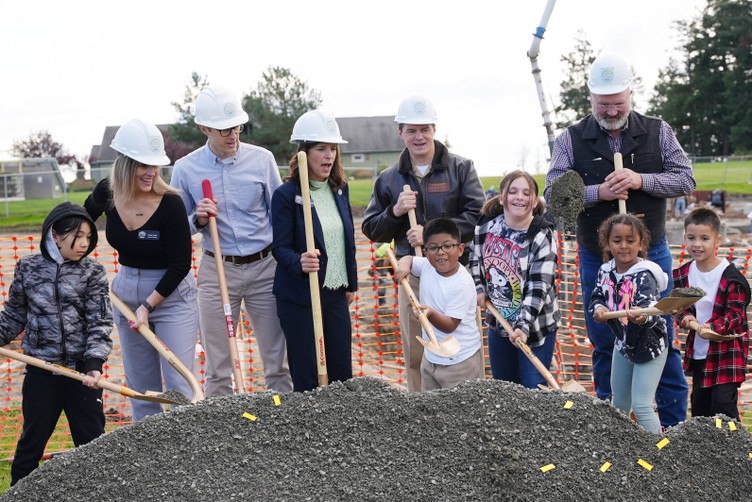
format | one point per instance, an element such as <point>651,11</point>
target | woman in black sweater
<point>148,226</point>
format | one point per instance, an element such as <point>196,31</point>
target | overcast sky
<point>75,67</point>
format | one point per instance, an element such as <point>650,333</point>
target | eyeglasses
<point>226,132</point>
<point>433,249</point>
<point>620,107</point>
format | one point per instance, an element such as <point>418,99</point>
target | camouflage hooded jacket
<point>63,306</point>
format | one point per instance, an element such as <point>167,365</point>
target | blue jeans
<point>672,393</point>
<point>510,364</point>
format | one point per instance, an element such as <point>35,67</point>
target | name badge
<point>441,187</point>
<point>148,235</point>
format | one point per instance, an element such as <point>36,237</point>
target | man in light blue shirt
<point>243,178</point>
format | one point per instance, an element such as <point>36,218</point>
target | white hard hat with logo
<point>142,142</point>
<point>218,108</point>
<point>609,74</point>
<point>316,126</point>
<point>416,110</point>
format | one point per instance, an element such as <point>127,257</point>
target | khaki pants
<point>438,376</point>
<point>410,328</point>
<point>251,283</point>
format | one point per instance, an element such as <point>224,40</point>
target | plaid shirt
<point>538,313</point>
<point>676,178</point>
<point>726,362</point>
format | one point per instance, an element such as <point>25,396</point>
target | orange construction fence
<point>376,346</point>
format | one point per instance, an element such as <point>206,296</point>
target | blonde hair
<point>493,207</point>
<point>123,180</point>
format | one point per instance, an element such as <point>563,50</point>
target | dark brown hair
<point>703,216</point>
<point>493,207</point>
<point>623,219</point>
<point>336,178</point>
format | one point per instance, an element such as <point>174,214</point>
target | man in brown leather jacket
<point>443,185</point>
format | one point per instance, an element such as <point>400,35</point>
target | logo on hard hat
<point>420,108</point>
<point>331,126</point>
<point>155,145</point>
<point>607,74</point>
<point>230,109</point>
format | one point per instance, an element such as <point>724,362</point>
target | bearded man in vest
<point>655,168</point>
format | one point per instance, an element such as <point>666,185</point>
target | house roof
<point>370,134</point>
<point>364,135</point>
<point>103,154</point>
<point>33,165</point>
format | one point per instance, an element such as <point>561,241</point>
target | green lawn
<point>734,177</point>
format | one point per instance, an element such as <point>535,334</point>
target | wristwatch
<point>148,306</point>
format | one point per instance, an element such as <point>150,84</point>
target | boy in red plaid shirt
<point>717,368</point>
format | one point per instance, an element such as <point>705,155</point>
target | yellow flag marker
<point>277,400</point>
<point>750,455</point>
<point>718,423</point>
<point>548,467</point>
<point>644,464</point>
<point>250,417</point>
<point>662,443</point>
<point>732,426</point>
<point>568,405</point>
<point>606,466</point>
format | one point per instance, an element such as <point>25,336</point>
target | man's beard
<point>612,124</point>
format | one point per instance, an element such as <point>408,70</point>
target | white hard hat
<point>609,74</point>
<point>218,108</point>
<point>416,109</point>
<point>316,126</point>
<point>142,142</point>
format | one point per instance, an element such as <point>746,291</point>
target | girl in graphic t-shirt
<point>513,262</point>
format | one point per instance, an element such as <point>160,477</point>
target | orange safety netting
<point>376,345</point>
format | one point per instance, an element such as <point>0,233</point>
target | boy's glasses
<point>433,249</point>
<point>226,132</point>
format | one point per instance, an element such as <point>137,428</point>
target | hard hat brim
<point>239,119</point>
<point>607,90</point>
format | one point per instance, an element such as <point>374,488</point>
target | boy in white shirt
<point>448,299</point>
<point>717,368</point>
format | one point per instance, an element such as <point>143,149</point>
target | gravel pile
<point>364,440</point>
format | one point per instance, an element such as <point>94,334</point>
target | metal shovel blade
<point>445,348</point>
<point>673,304</point>
<point>572,386</point>
<point>154,397</point>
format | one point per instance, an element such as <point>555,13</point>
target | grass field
<point>734,177</point>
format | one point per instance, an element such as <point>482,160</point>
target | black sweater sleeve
<point>176,238</point>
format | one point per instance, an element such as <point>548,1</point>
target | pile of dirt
<point>364,440</point>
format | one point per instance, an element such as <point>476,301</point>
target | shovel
<point>413,220</point>
<point>569,386</point>
<point>102,383</point>
<point>313,277</point>
<point>709,334</point>
<point>165,352</point>
<point>618,165</point>
<point>678,299</point>
<point>447,347</point>
<point>232,341</point>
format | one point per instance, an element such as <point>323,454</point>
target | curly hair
<point>630,220</point>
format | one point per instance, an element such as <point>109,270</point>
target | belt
<point>242,260</point>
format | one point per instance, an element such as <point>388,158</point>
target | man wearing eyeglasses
<point>243,178</point>
<point>442,185</point>
<point>655,168</point>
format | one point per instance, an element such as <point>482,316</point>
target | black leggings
<point>710,401</point>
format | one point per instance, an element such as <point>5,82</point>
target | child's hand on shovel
<point>518,333</point>
<point>92,376</point>
<point>309,261</point>
<point>404,265</point>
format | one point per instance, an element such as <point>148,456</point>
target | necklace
<point>139,214</point>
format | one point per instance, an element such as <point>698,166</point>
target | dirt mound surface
<point>364,440</point>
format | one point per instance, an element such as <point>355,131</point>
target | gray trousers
<point>174,321</point>
<point>251,283</point>
<point>437,376</point>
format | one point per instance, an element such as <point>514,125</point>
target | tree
<point>574,94</point>
<point>40,144</point>
<point>279,99</point>
<point>707,95</point>
<point>184,133</point>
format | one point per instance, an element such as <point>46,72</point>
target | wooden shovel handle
<point>102,383</point>
<point>427,326</point>
<point>313,277</point>
<point>524,348</point>
<point>618,165</point>
<point>640,311</point>
<point>413,220</point>
<point>164,351</point>
<point>232,343</point>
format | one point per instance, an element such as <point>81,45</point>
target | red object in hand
<point>206,185</point>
